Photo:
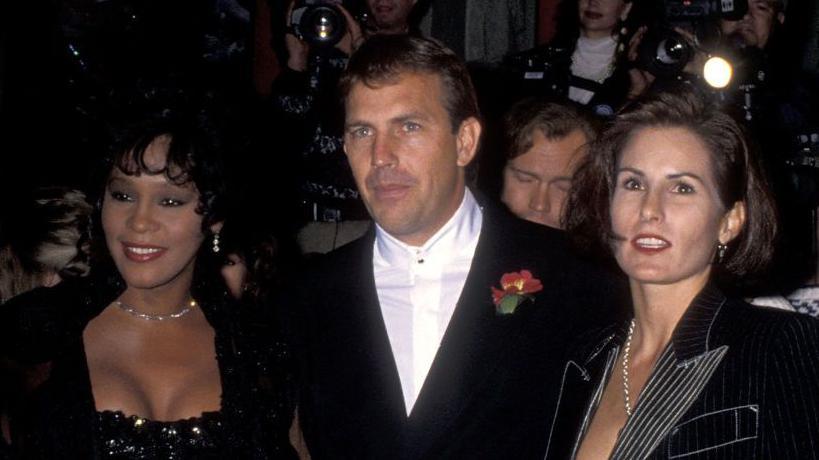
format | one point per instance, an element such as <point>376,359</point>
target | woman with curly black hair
<point>147,357</point>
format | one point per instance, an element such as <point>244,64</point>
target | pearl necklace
<point>626,351</point>
<point>150,317</point>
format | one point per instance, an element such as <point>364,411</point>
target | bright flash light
<point>717,72</point>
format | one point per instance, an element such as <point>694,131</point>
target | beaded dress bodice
<point>136,438</point>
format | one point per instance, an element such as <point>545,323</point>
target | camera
<point>321,22</point>
<point>802,163</point>
<point>543,70</point>
<point>665,52</point>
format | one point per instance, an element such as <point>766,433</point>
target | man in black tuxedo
<point>406,350</point>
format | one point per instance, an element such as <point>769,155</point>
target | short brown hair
<point>736,169</point>
<point>554,120</point>
<point>383,58</point>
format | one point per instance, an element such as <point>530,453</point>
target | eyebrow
<point>124,180</point>
<point>113,180</point>
<point>398,119</point>
<point>522,171</point>
<point>534,175</point>
<point>669,176</point>
<point>408,116</point>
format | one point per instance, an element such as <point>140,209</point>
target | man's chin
<point>386,23</point>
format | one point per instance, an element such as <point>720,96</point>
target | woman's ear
<point>732,223</point>
<point>216,227</point>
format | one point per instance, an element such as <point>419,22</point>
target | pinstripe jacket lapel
<point>672,388</point>
<point>678,378</point>
<point>679,375</point>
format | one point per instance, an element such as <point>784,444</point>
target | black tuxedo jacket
<point>490,390</point>
<point>736,382</point>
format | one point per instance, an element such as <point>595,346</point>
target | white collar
<point>455,238</point>
<point>602,45</point>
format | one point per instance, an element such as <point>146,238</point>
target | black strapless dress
<point>56,416</point>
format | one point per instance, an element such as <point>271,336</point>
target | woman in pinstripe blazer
<point>680,201</point>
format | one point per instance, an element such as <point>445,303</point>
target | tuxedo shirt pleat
<point>418,289</point>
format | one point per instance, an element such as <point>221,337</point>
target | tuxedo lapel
<point>474,343</point>
<point>372,385</point>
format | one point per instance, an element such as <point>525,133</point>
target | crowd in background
<point>93,88</point>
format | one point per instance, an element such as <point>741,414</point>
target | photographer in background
<point>758,25</point>
<point>589,60</point>
<point>308,113</point>
<point>780,109</point>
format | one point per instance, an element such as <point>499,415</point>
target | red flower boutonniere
<point>515,288</point>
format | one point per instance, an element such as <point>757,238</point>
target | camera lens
<point>322,25</point>
<point>672,51</point>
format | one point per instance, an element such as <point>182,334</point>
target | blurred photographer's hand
<point>297,50</point>
<point>353,37</point>
<point>697,62</point>
<point>639,79</point>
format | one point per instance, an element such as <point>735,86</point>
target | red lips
<point>650,244</point>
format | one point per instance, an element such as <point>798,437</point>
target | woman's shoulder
<point>746,323</point>
<point>37,323</point>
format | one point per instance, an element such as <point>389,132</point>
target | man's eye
<point>411,127</point>
<point>522,177</point>
<point>563,185</point>
<point>360,132</point>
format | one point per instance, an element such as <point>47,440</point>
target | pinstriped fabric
<point>598,393</point>
<point>757,370</point>
<point>668,394</point>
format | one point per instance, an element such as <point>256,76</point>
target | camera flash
<point>717,72</point>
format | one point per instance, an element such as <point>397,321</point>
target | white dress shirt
<point>418,289</point>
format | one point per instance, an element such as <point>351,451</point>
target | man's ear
<point>781,18</point>
<point>732,223</point>
<point>469,134</point>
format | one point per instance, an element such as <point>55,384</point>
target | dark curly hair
<point>736,170</point>
<point>193,158</point>
<point>197,143</point>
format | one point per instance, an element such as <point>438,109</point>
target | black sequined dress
<point>55,416</point>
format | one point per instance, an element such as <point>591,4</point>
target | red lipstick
<point>650,244</point>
